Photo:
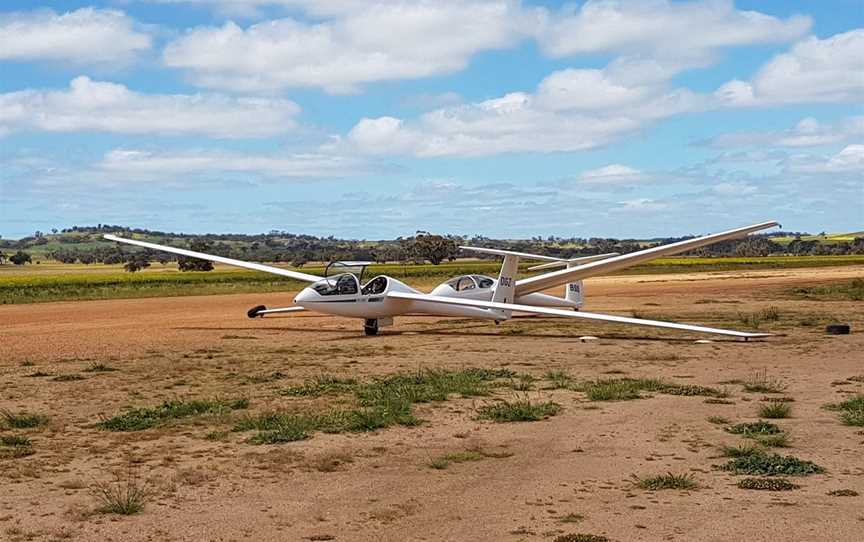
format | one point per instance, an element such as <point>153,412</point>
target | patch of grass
<point>843,493</point>
<point>559,379</point>
<point>851,410</point>
<point>691,390</point>
<point>580,537</point>
<point>619,389</point>
<point>445,461</point>
<point>13,446</point>
<point>767,484</point>
<point>67,378</point>
<point>22,420</point>
<point>98,367</point>
<point>716,401</point>
<point>383,402</point>
<point>667,481</point>
<point>277,428</point>
<point>524,382</point>
<point>522,410</point>
<point>774,410</point>
<point>322,385</point>
<point>750,429</point>
<point>757,318</point>
<point>126,496</point>
<point>571,518</point>
<point>718,420</point>
<point>780,440</point>
<point>768,399</point>
<point>761,382</point>
<point>38,374</point>
<point>428,386</point>
<point>626,389</point>
<point>139,419</point>
<point>762,464</point>
<point>844,291</point>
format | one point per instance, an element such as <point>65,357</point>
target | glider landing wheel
<point>371,327</point>
<point>253,312</point>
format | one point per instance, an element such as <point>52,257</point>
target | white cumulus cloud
<point>97,106</point>
<point>571,110</point>
<point>145,165</point>
<point>612,174</point>
<point>685,31</point>
<point>814,70</point>
<point>372,41</point>
<point>84,36</point>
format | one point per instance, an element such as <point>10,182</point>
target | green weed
<point>774,410</point>
<point>445,461</point>
<point>322,385</point>
<point>761,382</point>
<point>98,367</point>
<point>751,429</point>
<point>767,484</point>
<point>13,446</point>
<point>580,538</point>
<point>667,481</point>
<point>139,419</point>
<point>21,421</point>
<point>522,410</point>
<point>762,464</point>
<point>846,291</point>
<point>851,410</point>
<point>126,496</point>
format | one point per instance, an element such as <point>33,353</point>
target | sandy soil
<point>379,486</point>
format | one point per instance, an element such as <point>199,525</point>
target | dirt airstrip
<point>571,473</point>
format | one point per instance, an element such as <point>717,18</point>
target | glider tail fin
<point>575,291</point>
<point>505,288</point>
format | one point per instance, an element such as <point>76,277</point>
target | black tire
<point>371,327</point>
<point>837,329</point>
<point>253,312</point>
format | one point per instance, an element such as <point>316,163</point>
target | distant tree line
<point>84,245</point>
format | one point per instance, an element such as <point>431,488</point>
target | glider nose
<point>306,295</point>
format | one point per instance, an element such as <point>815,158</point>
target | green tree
<point>136,263</point>
<point>435,248</point>
<point>20,258</point>
<point>196,264</point>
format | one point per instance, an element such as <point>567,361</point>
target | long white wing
<point>228,261</point>
<point>555,278</point>
<point>555,260</point>
<point>564,262</point>
<point>573,314</point>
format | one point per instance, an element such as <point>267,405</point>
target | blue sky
<point>374,119</point>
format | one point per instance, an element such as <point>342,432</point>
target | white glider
<point>382,298</point>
